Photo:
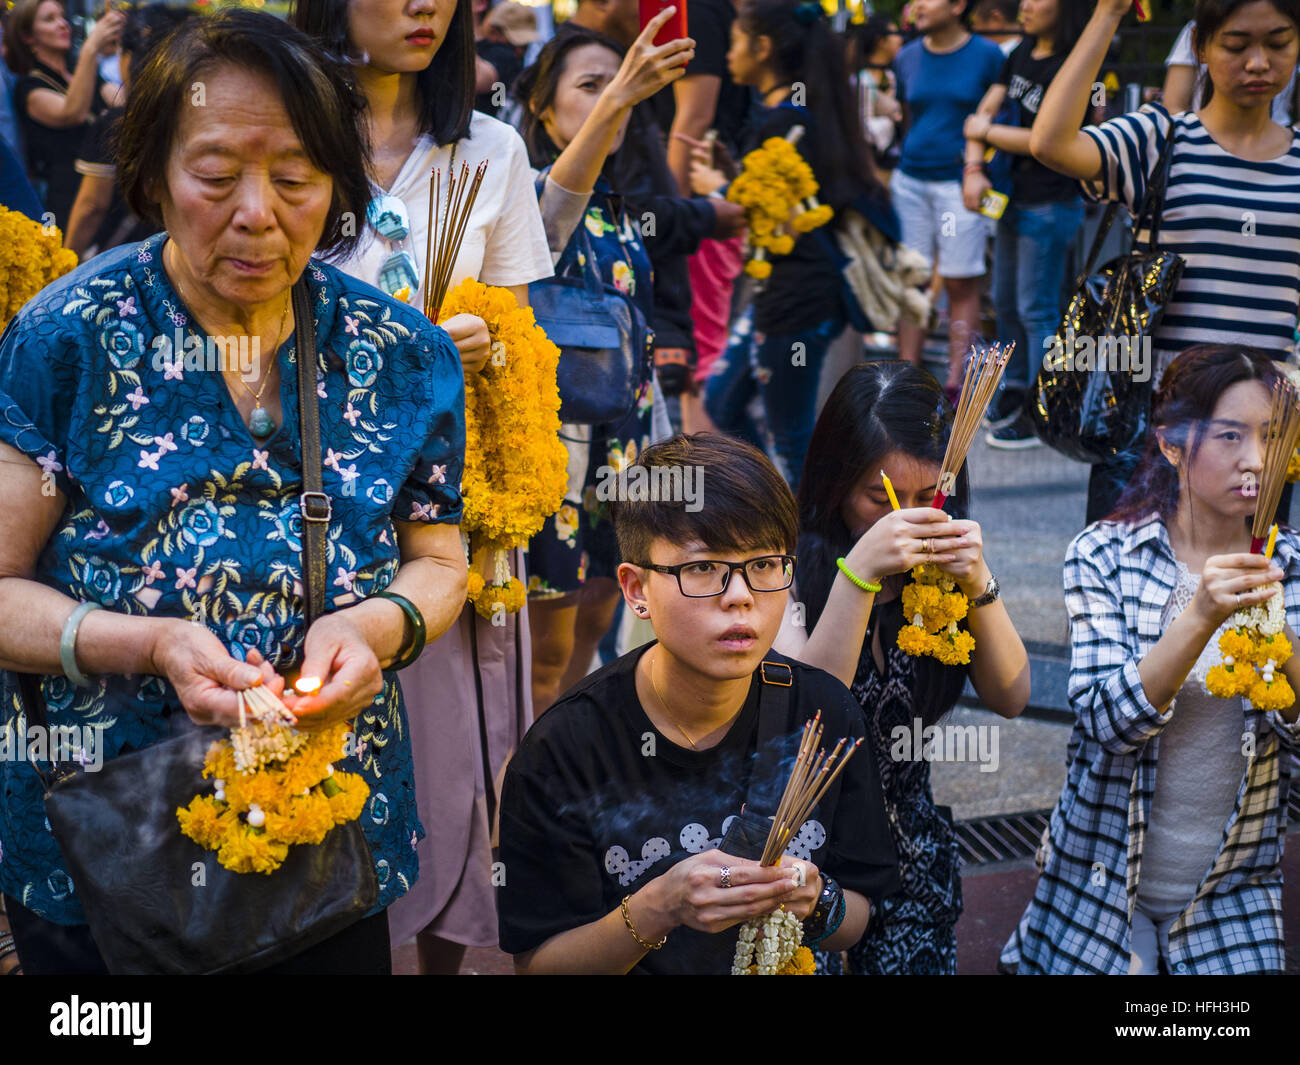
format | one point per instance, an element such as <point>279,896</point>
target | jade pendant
<point>260,424</point>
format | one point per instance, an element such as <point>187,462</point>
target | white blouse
<point>505,242</point>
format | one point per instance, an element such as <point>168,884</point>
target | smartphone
<point>674,29</point>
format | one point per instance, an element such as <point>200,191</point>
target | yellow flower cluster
<point>802,964</point>
<point>254,818</point>
<point>934,605</point>
<point>1251,661</point>
<point>779,193</point>
<point>488,598</point>
<point>516,468</point>
<point>31,256</point>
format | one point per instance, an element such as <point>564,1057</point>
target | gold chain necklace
<point>664,702</point>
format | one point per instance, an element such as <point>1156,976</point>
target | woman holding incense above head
<point>622,830</point>
<point>414,62</point>
<point>865,519</point>
<point>153,514</point>
<point>577,99</point>
<point>1232,203</point>
<point>1164,849</point>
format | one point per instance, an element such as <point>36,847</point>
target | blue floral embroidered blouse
<point>175,511</point>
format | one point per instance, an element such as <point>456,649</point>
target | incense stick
<point>810,777</point>
<point>449,219</point>
<point>977,388</point>
<point>1283,431</point>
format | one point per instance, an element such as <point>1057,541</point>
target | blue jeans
<point>784,369</point>
<point>1029,262</point>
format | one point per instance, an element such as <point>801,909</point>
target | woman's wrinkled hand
<point>205,676</point>
<point>336,652</point>
<point>470,335</point>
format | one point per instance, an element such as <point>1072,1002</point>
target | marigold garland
<point>1293,467</point>
<point>777,189</point>
<point>31,256</point>
<point>934,604</point>
<point>253,818</point>
<point>1253,648</point>
<point>516,467</point>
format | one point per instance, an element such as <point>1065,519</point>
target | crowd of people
<point>585,782</point>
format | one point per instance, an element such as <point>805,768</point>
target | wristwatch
<point>991,591</point>
<point>827,915</point>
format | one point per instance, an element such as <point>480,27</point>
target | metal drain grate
<point>1013,836</point>
<point>1000,839</point>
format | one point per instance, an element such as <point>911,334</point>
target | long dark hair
<point>877,408</point>
<point>804,50</point>
<point>1071,19</point>
<point>536,86</point>
<point>1212,14</point>
<point>1181,410</point>
<point>445,87</point>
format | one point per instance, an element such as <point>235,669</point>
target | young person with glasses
<point>855,553</point>
<point>618,817</point>
<point>469,696</point>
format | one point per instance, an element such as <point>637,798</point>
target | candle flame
<point>307,685</point>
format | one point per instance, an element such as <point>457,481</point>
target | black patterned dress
<point>914,931</point>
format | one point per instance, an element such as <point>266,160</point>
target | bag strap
<point>1153,203</point>
<point>313,503</point>
<point>775,689</point>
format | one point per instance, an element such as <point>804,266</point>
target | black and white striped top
<point>1235,222</point>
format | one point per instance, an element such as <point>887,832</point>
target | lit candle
<point>889,487</point>
<point>306,685</point>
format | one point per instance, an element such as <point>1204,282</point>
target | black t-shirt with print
<point>1027,79</point>
<point>597,803</point>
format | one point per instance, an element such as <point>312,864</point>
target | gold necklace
<point>664,703</point>
<point>260,423</point>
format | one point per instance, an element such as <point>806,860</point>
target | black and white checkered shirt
<point>1118,579</point>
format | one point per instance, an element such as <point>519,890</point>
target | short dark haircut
<point>1008,9</point>
<point>325,110</point>
<point>746,502</point>
<point>147,24</point>
<point>445,87</point>
<point>1183,406</point>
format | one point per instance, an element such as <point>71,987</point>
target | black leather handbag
<point>606,347</point>
<point>156,901</point>
<point>1093,414</point>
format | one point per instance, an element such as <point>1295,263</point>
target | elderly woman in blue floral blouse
<point>163,486</point>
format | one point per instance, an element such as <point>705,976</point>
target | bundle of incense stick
<point>981,381</point>
<point>814,771</point>
<point>447,221</point>
<point>270,736</point>
<point>1283,432</point>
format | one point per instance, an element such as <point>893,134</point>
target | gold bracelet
<point>643,944</point>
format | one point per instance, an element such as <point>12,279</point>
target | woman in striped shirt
<point>1232,205</point>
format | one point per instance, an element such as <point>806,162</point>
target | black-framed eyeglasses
<point>707,577</point>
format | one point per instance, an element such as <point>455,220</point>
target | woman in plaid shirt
<point>1180,869</point>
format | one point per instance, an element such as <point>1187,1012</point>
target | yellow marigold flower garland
<point>253,818</point>
<point>1254,648</point>
<point>516,467</point>
<point>31,256</point>
<point>777,189</point>
<point>934,605</point>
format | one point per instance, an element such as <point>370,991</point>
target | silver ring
<point>726,876</point>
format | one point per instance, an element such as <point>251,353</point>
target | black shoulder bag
<point>156,901</point>
<point>1094,413</point>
